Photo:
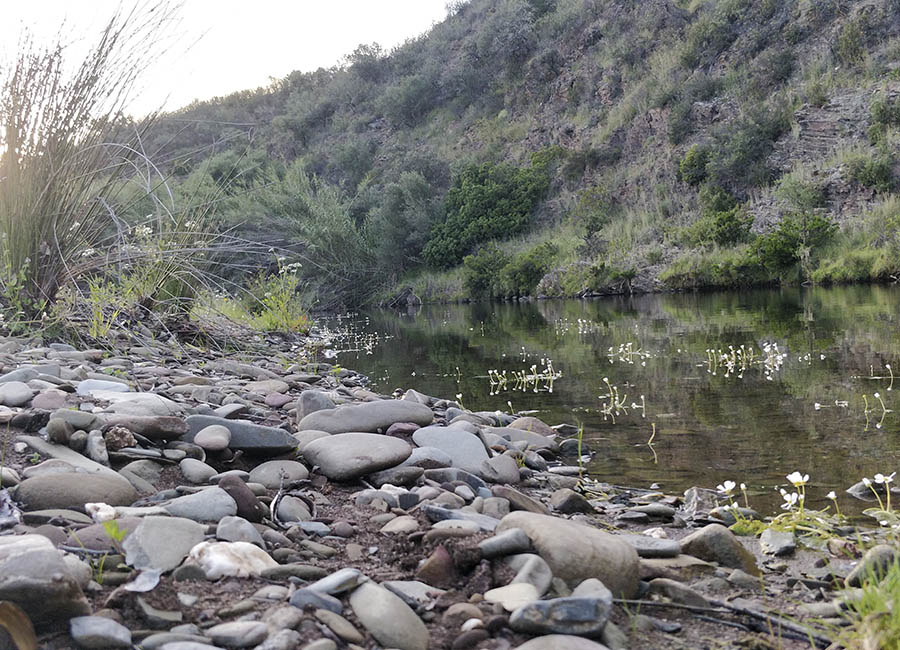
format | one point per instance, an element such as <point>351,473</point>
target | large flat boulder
<point>246,436</point>
<point>73,490</point>
<point>369,417</point>
<point>576,552</point>
<point>466,450</point>
<point>348,456</point>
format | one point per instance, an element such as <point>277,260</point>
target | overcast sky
<point>227,45</point>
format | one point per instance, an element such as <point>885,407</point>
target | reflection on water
<point>744,386</point>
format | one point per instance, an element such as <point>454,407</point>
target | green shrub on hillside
<point>801,194</point>
<point>521,274</point>
<point>795,241</point>
<point>692,168</point>
<point>875,171</point>
<point>723,221</point>
<point>482,270</point>
<point>486,201</point>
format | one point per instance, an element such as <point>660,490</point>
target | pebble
<point>388,618</point>
<point>214,437</point>
<point>238,634</point>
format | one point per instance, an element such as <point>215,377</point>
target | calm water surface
<point>743,386</point>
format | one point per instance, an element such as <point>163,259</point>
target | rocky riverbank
<point>160,500</point>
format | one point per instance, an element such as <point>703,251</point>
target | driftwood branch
<point>785,627</point>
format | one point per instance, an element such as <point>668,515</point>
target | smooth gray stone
<point>873,565</point>
<point>388,618</point>
<point>99,632</point>
<point>210,504</point>
<point>68,455</point>
<point>581,616</point>
<point>238,634</point>
<point>501,469</point>
<point>339,581</point>
<point>275,473</point>
<point>531,569</point>
<point>367,417</point>
<point>78,419</point>
<point>317,599</point>
<point>311,401</point>
<point>348,456</point>
<point>466,450</point>
<point>162,542</point>
<point>19,374</point>
<point>561,642</point>
<point>400,476</point>
<point>238,529</point>
<point>245,435</point>
<point>715,543</point>
<point>214,437</point>
<point>196,471</point>
<point>428,458</point>
<point>15,393</point>
<point>777,542</point>
<point>450,474</point>
<point>169,639</point>
<point>414,593</point>
<point>34,577</point>
<point>436,513</point>
<point>534,440</point>
<point>88,386</point>
<point>647,546</point>
<point>509,542</point>
<point>73,490</point>
<point>155,427</point>
<point>575,551</point>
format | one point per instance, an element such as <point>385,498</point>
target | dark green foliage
<point>521,274</point>
<point>699,88</point>
<point>723,221</point>
<point>738,157</point>
<point>731,268</point>
<point>875,171</point>
<point>482,270</point>
<point>794,241</point>
<point>486,201</point>
<point>884,114</point>
<point>770,70</point>
<point>692,168</point>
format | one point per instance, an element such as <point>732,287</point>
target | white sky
<point>228,45</point>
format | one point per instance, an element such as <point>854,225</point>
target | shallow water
<point>754,422</point>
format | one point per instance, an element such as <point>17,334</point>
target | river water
<point>743,386</point>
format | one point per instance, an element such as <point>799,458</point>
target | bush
<point>723,221</point>
<point>884,114</point>
<point>850,47</point>
<point>875,171</point>
<point>486,202</point>
<point>692,168</point>
<point>795,241</point>
<point>521,274</point>
<point>482,271</point>
<point>800,194</point>
<point>860,265</point>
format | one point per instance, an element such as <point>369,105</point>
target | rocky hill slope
<point>585,146</point>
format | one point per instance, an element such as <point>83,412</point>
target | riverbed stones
<point>162,543</point>
<point>235,559</point>
<point>649,547</point>
<point>73,490</point>
<point>34,577</point>
<point>575,552</point>
<point>348,456</point>
<point>388,618</point>
<point>465,450</point>
<point>715,543</point>
<point>368,417</point>
<point>873,565</point>
<point>248,505</point>
<point>196,471</point>
<point>238,634</point>
<point>245,435</point>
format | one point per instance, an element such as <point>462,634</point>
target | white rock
<point>237,559</point>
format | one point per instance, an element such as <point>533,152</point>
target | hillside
<point>571,147</point>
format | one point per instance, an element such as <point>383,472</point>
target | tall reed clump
<point>66,154</point>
